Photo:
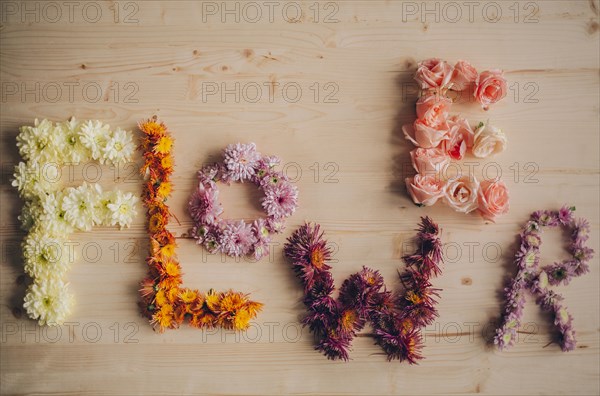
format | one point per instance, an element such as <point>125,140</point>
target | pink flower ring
<point>241,162</point>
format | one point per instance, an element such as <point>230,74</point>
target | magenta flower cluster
<point>395,317</point>
<point>242,162</point>
<point>536,279</point>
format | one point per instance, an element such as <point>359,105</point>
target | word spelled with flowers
<point>52,212</point>
<point>537,279</point>
<point>397,319</point>
<point>236,237</point>
<point>164,301</point>
<point>441,138</point>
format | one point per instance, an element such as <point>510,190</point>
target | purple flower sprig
<point>535,279</point>
<point>242,162</point>
<point>363,298</point>
<point>398,330</point>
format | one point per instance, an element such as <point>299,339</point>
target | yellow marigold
<point>179,314</point>
<point>153,127</point>
<point>168,250</point>
<point>170,282</point>
<point>172,294</point>
<point>232,301</point>
<point>161,297</point>
<point>164,189</point>
<point>163,145</point>
<point>171,268</point>
<point>213,300</point>
<point>253,308</point>
<point>156,223</point>
<point>203,320</point>
<point>167,162</point>
<point>188,296</point>
<point>241,320</point>
<point>163,317</point>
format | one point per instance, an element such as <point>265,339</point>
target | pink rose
<point>461,194</point>
<point>433,109</point>
<point>433,73</point>
<point>423,135</point>
<point>460,138</point>
<point>490,87</point>
<point>425,190</point>
<point>493,199</point>
<point>464,76</point>
<point>429,161</point>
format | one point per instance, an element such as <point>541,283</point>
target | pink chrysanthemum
<point>237,238</point>
<point>280,200</point>
<point>241,161</point>
<point>203,205</point>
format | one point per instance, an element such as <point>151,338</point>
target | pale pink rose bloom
<point>429,160</point>
<point>461,194</point>
<point>464,76</point>
<point>425,190</point>
<point>490,88</point>
<point>488,140</point>
<point>433,109</point>
<point>460,138</point>
<point>493,199</point>
<point>423,135</point>
<point>433,73</point>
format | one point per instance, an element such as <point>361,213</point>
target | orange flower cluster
<point>164,301</point>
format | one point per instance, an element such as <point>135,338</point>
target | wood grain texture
<point>163,63</point>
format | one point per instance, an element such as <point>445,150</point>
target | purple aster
<point>280,200</point>
<point>565,215</point>
<point>273,178</point>
<point>261,248</point>
<point>580,252</point>
<point>275,225</point>
<point>531,239</point>
<point>211,242</point>
<point>199,233</point>
<point>237,238</point>
<point>581,229</point>
<point>261,230</point>
<point>241,161</point>
<point>357,291</point>
<point>307,246</point>
<point>265,166</point>
<point>560,272</point>
<point>209,174</point>
<point>203,205</point>
<point>334,347</point>
<point>400,344</point>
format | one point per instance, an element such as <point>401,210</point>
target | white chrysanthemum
<point>48,301</point>
<point>36,143</point>
<point>122,208</point>
<point>119,147</point>
<point>67,140</point>
<point>52,218</point>
<point>32,181</point>
<point>81,206</point>
<point>30,214</point>
<point>93,135</point>
<point>45,255</point>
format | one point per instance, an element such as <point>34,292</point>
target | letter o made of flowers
<point>241,163</point>
<point>52,212</point>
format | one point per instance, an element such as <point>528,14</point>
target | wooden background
<point>344,149</point>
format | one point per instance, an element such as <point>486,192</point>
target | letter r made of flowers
<point>396,319</point>
<point>163,299</point>
<point>52,211</point>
